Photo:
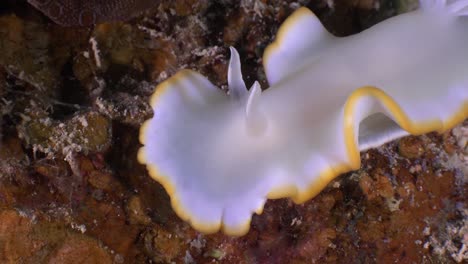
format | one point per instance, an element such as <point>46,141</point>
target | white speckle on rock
<point>81,228</point>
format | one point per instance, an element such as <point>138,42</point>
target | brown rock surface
<point>25,241</point>
<point>71,189</point>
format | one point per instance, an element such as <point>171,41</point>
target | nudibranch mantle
<point>220,156</point>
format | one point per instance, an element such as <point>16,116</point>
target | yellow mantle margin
<point>324,178</point>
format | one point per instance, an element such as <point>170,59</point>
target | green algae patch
<point>85,132</point>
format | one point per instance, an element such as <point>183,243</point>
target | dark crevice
<point>71,96</point>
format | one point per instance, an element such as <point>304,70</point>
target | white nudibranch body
<point>220,156</point>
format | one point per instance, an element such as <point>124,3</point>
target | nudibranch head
<point>221,156</point>
<point>197,161</point>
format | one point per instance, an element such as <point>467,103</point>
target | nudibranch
<point>220,156</point>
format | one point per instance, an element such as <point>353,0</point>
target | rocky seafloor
<point>72,99</point>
